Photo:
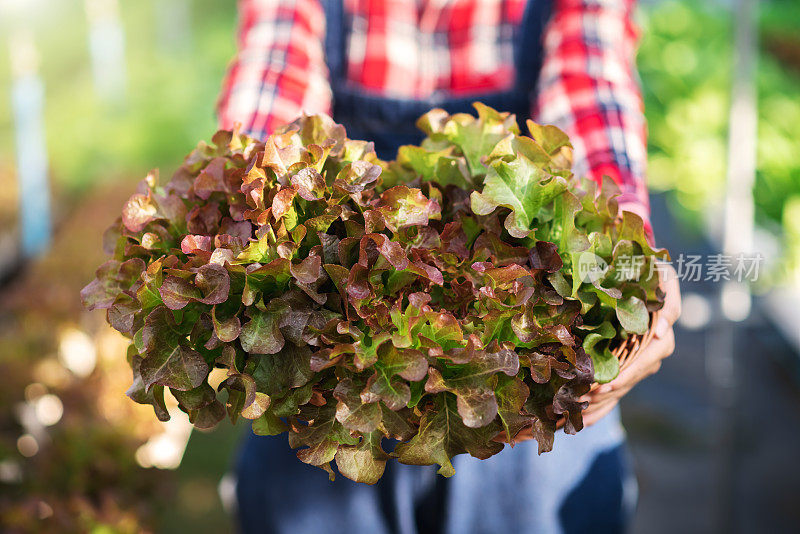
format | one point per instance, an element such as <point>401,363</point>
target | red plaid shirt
<point>588,85</point>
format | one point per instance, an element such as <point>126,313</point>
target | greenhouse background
<point>95,93</point>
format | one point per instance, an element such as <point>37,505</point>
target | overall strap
<point>528,45</point>
<point>390,122</point>
<point>335,40</point>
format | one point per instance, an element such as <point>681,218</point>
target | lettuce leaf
<point>438,299</point>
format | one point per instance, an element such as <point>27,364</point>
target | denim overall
<point>584,485</point>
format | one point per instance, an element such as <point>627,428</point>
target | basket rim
<point>628,350</point>
<point>626,353</point>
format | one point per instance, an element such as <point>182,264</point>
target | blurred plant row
<point>69,438</point>
<point>685,61</point>
<point>174,69</point>
<point>75,452</point>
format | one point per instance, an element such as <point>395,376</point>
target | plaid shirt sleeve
<point>589,88</point>
<point>279,70</point>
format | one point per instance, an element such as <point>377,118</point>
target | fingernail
<point>605,388</point>
<point>662,327</point>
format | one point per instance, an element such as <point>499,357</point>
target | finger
<point>617,393</point>
<point>595,415</point>
<point>523,435</point>
<point>648,360</point>
<point>598,406</point>
<point>672,304</point>
<point>646,363</point>
<point>605,391</point>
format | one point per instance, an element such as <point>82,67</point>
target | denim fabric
<point>583,485</point>
<point>390,122</point>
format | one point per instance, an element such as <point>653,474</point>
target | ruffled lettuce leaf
<point>440,300</point>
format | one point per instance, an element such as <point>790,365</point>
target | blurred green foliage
<point>85,477</point>
<point>685,61</point>
<point>171,88</point>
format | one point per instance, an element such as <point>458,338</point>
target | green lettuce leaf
<point>439,300</point>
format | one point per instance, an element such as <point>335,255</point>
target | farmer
<point>376,66</point>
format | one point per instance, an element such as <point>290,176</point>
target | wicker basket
<point>626,353</point>
<point>628,350</point>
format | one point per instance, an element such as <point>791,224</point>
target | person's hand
<point>603,399</point>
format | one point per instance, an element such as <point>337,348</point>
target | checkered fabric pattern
<point>408,49</point>
<point>418,48</point>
